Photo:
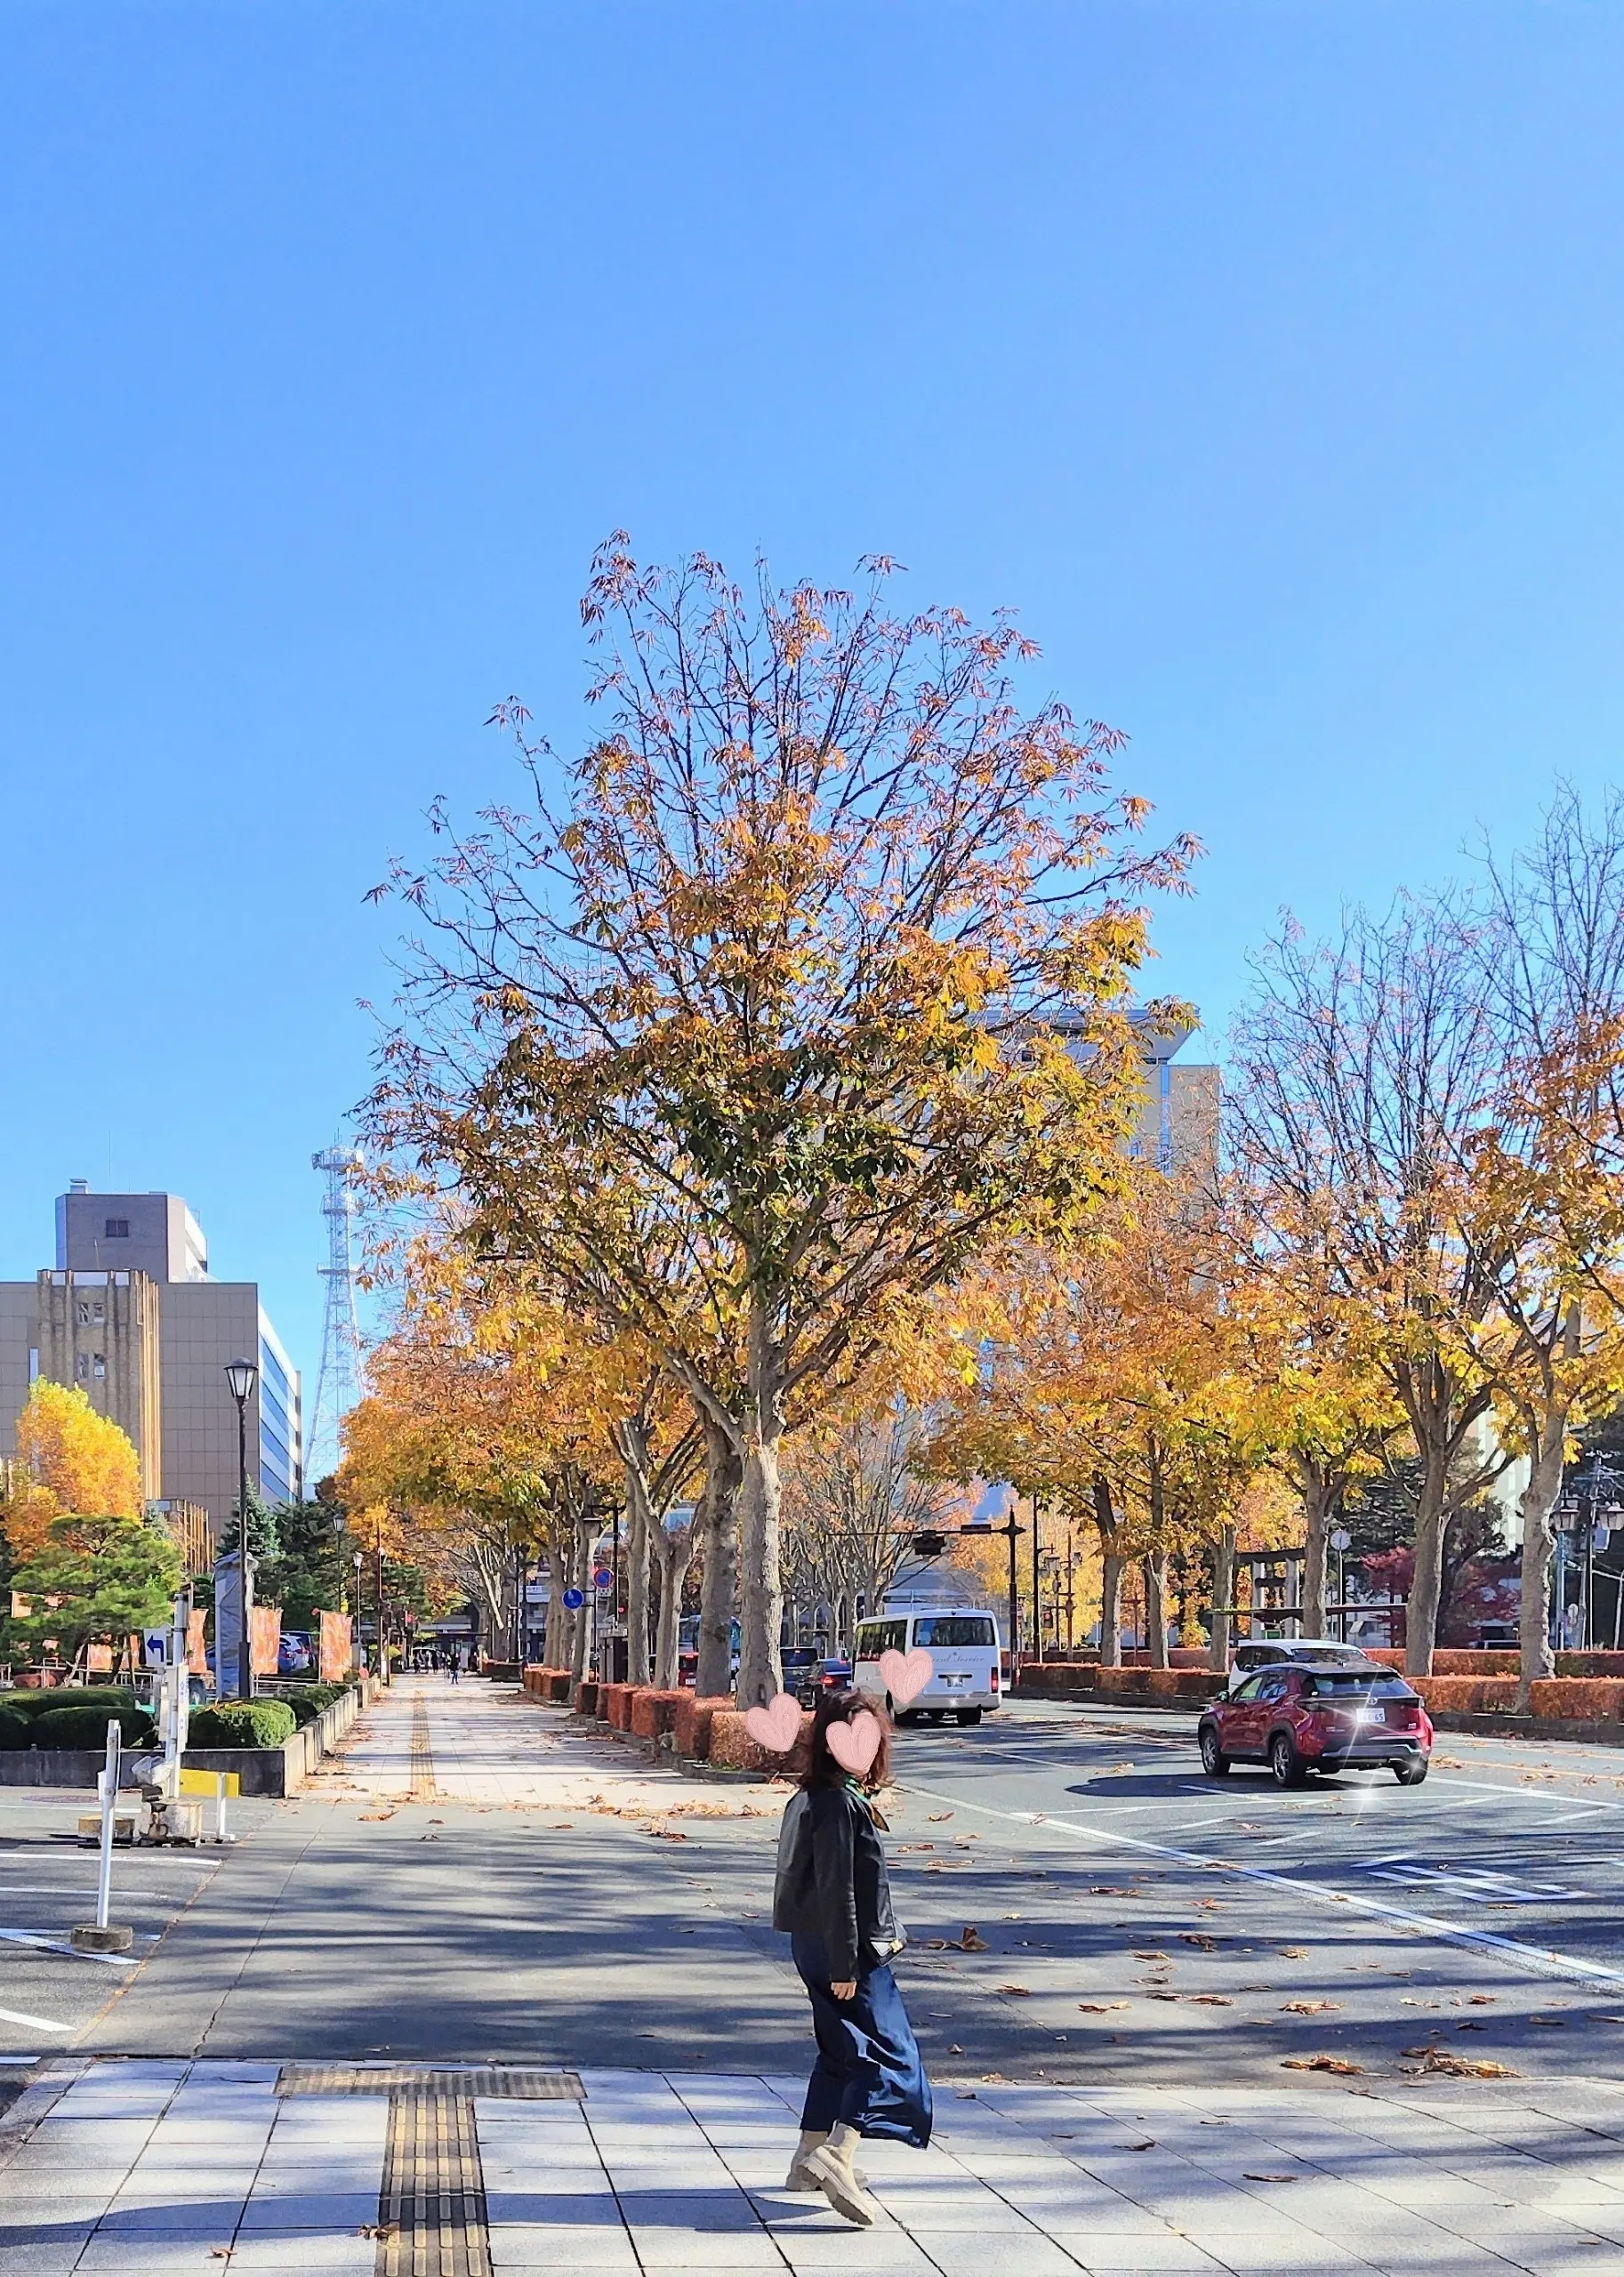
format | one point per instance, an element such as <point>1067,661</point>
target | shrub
<point>691,1721</point>
<point>652,1712</point>
<point>1590,1664</point>
<point>1466,1695</point>
<point>614,1705</point>
<point>586,1697</point>
<point>106,1696</point>
<point>15,1731</point>
<point>1060,1676</point>
<point>732,1749</point>
<point>242,1723</point>
<point>1585,1699</point>
<point>82,1725</point>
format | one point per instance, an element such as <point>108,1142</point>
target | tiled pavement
<point>187,2167</point>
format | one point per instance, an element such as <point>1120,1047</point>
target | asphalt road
<point>1131,1921</point>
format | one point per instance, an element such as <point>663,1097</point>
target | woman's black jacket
<point>832,1881</point>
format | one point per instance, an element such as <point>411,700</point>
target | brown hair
<point>818,1766</point>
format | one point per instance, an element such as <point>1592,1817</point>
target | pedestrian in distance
<point>832,1895</point>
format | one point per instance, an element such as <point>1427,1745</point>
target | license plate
<point>956,1679</point>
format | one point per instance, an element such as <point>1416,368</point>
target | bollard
<point>221,1780</point>
<point>99,1937</point>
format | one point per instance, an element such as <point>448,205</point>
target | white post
<point>107,1782</point>
<point>221,1778</point>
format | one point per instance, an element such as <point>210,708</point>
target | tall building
<point>130,1315</point>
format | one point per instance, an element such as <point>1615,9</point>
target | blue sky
<point>1266,358</point>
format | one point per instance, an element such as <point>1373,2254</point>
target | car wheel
<point>1285,1762</point>
<point>1214,1762</point>
<point>967,1714</point>
<point>1410,1774</point>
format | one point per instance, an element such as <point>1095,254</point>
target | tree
<point>93,1578</point>
<point>851,1501</point>
<point>824,966</point>
<point>1361,1073</point>
<point>70,1459</point>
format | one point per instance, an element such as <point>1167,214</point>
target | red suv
<point>1299,1719</point>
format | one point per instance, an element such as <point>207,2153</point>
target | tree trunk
<point>761,1606</point>
<point>1223,1598</point>
<point>581,1562</point>
<point>1427,1589</point>
<point>639,1525</point>
<point>1111,1577</point>
<point>1538,1500</point>
<point>675,1554</point>
<point>1320,1495</point>
<point>719,1542</point>
<point>557,1584</point>
<point>760,1670</point>
<point>1155,1571</point>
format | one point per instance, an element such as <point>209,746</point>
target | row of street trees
<point>766,1078</point>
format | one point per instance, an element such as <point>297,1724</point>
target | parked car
<point>295,1653</point>
<point>1301,1718</point>
<point>1322,1651</point>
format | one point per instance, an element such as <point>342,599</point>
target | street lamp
<point>1341,1541</point>
<point>242,1375</point>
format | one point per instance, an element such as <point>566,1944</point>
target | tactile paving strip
<point>431,2211</point>
<point>514,2082</point>
<point>422,1787</point>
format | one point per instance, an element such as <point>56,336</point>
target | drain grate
<point>514,2082</point>
<point>431,2212</point>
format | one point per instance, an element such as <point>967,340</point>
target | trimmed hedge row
<point>243,1722</point>
<point>1172,1684</point>
<point>548,1683</point>
<point>691,1721</point>
<point>73,1716</point>
<point>652,1712</point>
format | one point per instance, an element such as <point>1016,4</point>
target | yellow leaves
<point>69,1460</point>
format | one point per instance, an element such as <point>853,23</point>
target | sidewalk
<point>181,2168</point>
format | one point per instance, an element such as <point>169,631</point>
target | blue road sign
<point>601,1578</point>
<point>574,1600</point>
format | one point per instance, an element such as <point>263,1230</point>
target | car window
<point>953,1628</point>
<point>1273,1685</point>
<point>1247,1690</point>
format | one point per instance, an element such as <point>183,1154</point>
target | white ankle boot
<point>800,2175</point>
<point>830,2166</point>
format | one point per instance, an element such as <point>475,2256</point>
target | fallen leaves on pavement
<point>1461,2067</point>
<point>973,1942</point>
<point>1200,1937</point>
<point>1340,2065</point>
<point>1211,2001</point>
<point>1307,2008</point>
<point>1017,1992</point>
<point>1248,2176</point>
<point>1100,2007</point>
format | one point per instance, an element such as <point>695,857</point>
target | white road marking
<point>1528,1794</point>
<point>1538,1961</point>
<point>36,2023</point>
<point>43,1941</point>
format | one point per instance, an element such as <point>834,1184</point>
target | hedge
<point>691,1720</point>
<point>313,1699</point>
<point>242,1723</point>
<point>732,1749</point>
<point>15,1731</point>
<point>82,1725</point>
<point>652,1711</point>
<point>1583,1697</point>
<point>40,1702</point>
<point>614,1705</point>
<point>586,1697</point>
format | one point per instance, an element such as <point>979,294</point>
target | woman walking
<point>832,1895</point>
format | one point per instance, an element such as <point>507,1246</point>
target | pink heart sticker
<point>778,1726</point>
<point>907,1675</point>
<point>855,1745</point>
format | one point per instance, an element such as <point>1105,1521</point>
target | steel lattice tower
<point>338,1385</point>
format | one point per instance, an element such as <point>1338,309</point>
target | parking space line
<point>36,2023</point>
<point>1538,1961</point>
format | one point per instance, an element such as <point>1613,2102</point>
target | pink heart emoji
<point>778,1726</point>
<point>906,1677</point>
<point>855,1745</point>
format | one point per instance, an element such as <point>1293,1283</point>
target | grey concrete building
<point>130,1315</point>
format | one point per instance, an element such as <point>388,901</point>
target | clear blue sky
<point>1266,357</point>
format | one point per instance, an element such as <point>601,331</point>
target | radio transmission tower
<point>338,1386</point>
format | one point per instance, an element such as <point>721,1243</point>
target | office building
<point>129,1314</point>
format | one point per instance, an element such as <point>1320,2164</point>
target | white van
<point>963,1641</point>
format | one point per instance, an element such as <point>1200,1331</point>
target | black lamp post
<point>242,1375</point>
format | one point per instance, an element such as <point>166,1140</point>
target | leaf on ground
<point>1307,2008</point>
<point>372,1817</point>
<point>1149,2144</point>
<point>1480,1999</point>
<point>939,1944</point>
<point>973,1942</point>
<point>1461,2067</point>
<point>1294,1952</point>
<point>1162,1996</point>
<point>1249,2176</point>
<point>938,1818</point>
<point>1211,2001</point>
<point>1340,2065</point>
<point>1150,1955</point>
<point>1408,2000</point>
<point>1017,1992</point>
<point>1104,1889</point>
<point>1101,2008</point>
<point>1557,2023</point>
<point>1199,1937</point>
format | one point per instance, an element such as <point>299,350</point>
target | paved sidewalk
<point>181,2168</point>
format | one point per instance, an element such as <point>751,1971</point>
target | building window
<point>81,1366</point>
<point>84,1312</point>
<point>117,1229</point>
<point>97,1366</point>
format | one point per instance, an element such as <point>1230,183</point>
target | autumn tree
<point>818,954</point>
<point>71,1460</point>
<point>852,1499</point>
